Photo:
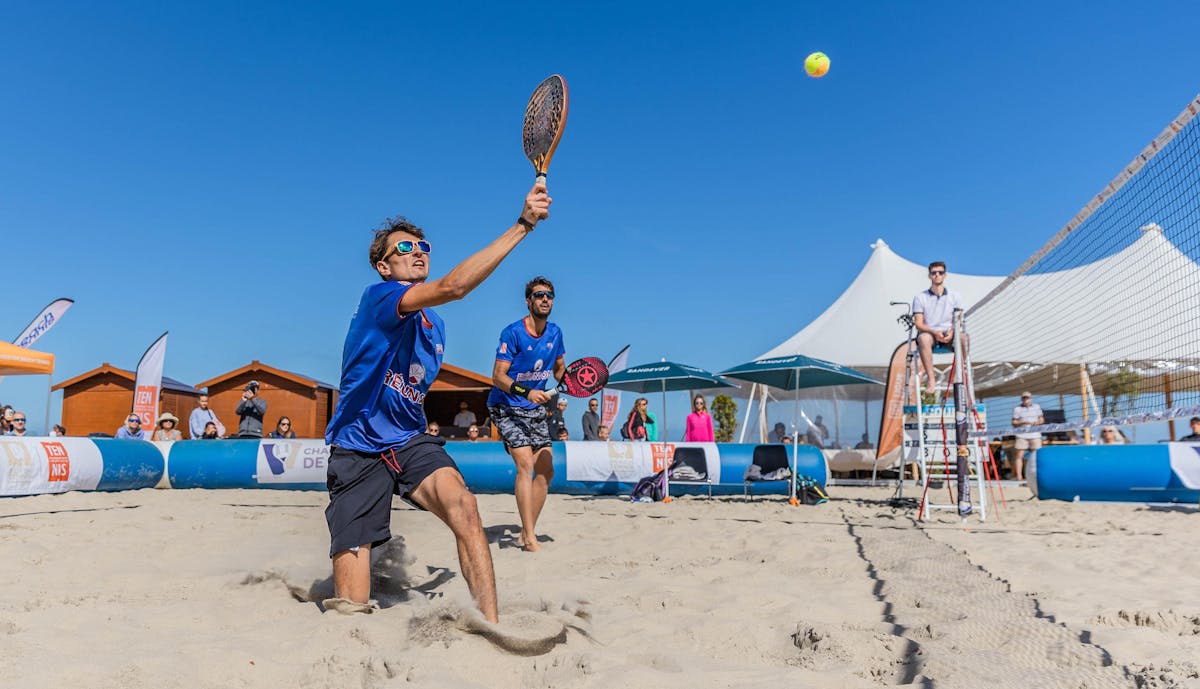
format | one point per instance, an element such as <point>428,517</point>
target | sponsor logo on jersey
<point>402,386</point>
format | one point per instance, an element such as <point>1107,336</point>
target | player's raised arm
<point>469,274</point>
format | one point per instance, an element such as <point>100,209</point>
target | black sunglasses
<point>542,294</point>
<point>18,419</point>
<point>937,272</point>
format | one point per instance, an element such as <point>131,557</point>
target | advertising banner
<point>627,462</point>
<point>43,322</point>
<point>610,403</point>
<point>292,461</point>
<point>149,382</point>
<point>30,466</point>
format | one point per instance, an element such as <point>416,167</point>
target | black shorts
<point>361,486</point>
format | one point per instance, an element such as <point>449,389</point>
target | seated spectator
<point>778,433</point>
<point>166,428</point>
<point>787,440</point>
<point>473,433</point>
<point>865,443</point>
<point>132,429</point>
<point>465,417</point>
<point>432,428</point>
<point>58,431</point>
<point>1109,435</point>
<point>210,431</point>
<point>602,433</point>
<point>563,434</point>
<point>18,424</point>
<point>283,428</point>
<point>6,419</point>
<point>1195,436</point>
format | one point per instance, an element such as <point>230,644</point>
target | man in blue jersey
<point>530,353</point>
<point>392,354</point>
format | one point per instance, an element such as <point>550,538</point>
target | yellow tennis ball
<point>816,65</point>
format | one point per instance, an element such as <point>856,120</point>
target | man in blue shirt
<point>392,354</point>
<point>529,354</point>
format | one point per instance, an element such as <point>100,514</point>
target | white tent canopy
<point>1097,312</point>
<point>860,330</point>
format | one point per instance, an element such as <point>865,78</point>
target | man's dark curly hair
<point>539,280</point>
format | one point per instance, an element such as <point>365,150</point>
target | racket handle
<point>540,179</point>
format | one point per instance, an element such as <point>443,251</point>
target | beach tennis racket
<point>583,378</point>
<point>545,119</point>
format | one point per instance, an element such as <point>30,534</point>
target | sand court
<point>194,588</point>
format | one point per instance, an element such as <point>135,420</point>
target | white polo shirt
<point>939,311</point>
<point>1029,414</point>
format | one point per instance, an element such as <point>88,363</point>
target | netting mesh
<point>1104,320</point>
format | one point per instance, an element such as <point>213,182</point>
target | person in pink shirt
<point>699,423</point>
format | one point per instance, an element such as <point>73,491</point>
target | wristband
<point>519,390</point>
<point>522,221</point>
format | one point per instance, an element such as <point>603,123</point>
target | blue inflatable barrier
<point>1119,473</point>
<point>580,468</point>
<point>129,464</point>
<point>31,465</point>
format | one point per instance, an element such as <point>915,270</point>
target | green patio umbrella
<point>792,373</point>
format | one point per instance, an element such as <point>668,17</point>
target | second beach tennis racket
<point>545,119</point>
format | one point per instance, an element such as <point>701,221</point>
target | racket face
<point>545,118</point>
<point>584,377</point>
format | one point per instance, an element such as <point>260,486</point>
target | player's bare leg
<point>528,505</point>
<point>543,473</point>
<point>445,495</point>
<point>352,574</point>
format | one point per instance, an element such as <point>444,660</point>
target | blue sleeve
<point>384,301</point>
<point>507,347</point>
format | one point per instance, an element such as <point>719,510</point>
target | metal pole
<point>795,442</point>
<point>50,394</point>
<point>662,435</point>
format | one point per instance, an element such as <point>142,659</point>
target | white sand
<point>162,589</point>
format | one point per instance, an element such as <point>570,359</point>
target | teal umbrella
<point>664,377</point>
<point>792,373</point>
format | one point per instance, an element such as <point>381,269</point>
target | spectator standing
<point>635,424</point>
<point>251,411</point>
<point>1026,414</point>
<point>1195,435</point>
<point>591,421</point>
<point>166,428</point>
<point>19,421</point>
<point>651,425</point>
<point>558,418</point>
<point>699,423</point>
<point>283,428</point>
<point>465,417</point>
<point>821,435</point>
<point>132,429</point>
<point>201,416</point>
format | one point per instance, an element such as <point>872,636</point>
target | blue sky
<point>214,169</point>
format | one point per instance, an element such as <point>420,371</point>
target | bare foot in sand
<point>529,545</point>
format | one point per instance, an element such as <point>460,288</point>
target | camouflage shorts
<point>520,427</point>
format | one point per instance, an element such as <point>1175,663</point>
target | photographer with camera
<point>251,411</point>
